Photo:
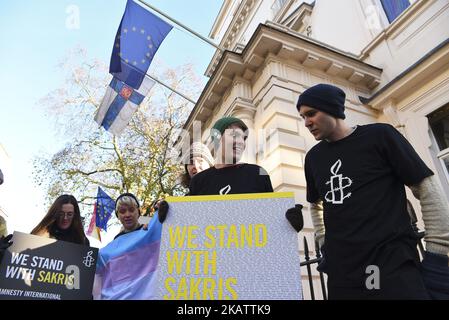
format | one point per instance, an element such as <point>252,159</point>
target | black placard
<point>41,268</point>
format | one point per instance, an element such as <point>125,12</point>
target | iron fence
<point>310,261</point>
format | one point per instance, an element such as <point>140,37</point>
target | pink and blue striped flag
<point>126,267</point>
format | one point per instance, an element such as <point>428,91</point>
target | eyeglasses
<point>68,215</point>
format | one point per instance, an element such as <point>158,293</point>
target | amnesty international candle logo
<point>233,247</point>
<point>88,261</point>
<point>338,184</point>
<point>225,190</point>
<point>41,268</point>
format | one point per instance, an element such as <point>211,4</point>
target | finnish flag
<point>119,104</point>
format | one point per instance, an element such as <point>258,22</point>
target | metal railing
<point>310,262</point>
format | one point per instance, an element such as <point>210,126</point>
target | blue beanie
<point>326,98</point>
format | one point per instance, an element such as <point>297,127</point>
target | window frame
<point>381,3</point>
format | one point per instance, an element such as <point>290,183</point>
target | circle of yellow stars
<point>147,55</point>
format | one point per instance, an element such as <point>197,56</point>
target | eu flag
<point>105,206</point>
<point>138,37</point>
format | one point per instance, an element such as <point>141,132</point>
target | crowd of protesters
<point>356,178</point>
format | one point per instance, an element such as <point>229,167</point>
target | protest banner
<point>237,246</point>
<point>41,268</point>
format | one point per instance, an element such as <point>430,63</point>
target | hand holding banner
<point>41,268</point>
<point>229,247</point>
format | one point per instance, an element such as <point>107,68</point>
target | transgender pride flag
<point>126,268</point>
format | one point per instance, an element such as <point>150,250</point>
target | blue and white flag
<point>119,104</point>
<point>138,37</point>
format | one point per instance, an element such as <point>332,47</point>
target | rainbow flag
<point>93,230</point>
<point>126,267</point>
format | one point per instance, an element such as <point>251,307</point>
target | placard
<point>41,268</point>
<point>229,247</point>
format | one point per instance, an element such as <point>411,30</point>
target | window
<point>439,123</point>
<point>393,8</point>
<point>277,5</point>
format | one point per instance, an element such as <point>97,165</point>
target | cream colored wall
<point>282,140</point>
<point>352,25</point>
<point>410,113</point>
<point>227,20</point>
<point>340,24</point>
<point>260,12</point>
<point>280,136</point>
<point>295,4</point>
<point>406,44</point>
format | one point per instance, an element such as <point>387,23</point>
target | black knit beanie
<point>324,97</point>
<point>127,194</point>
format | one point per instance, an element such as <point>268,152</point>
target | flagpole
<point>170,88</point>
<point>182,25</point>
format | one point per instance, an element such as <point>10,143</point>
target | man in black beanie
<point>355,180</point>
<point>330,101</point>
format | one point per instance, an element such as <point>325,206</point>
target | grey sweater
<point>435,213</point>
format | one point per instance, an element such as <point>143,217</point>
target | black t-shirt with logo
<point>240,178</point>
<point>360,180</point>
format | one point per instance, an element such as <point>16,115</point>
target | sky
<point>34,37</point>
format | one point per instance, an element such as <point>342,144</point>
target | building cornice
<point>238,21</point>
<point>297,20</point>
<point>434,62</point>
<point>220,18</point>
<point>274,40</point>
<point>318,55</point>
<point>397,26</point>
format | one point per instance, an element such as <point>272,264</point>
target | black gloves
<point>435,274</point>
<point>5,242</point>
<point>322,265</point>
<point>162,211</point>
<point>294,216</point>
